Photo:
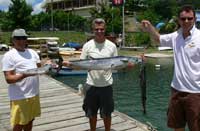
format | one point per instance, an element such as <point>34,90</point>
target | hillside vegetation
<point>64,36</point>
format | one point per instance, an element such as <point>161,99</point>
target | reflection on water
<point>127,91</point>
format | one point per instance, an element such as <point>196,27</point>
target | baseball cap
<point>19,33</point>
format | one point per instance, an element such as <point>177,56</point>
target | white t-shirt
<point>92,49</point>
<point>186,59</point>
<point>21,61</point>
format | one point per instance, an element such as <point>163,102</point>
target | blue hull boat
<point>68,71</point>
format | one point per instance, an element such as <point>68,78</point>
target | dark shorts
<point>184,108</point>
<point>98,98</point>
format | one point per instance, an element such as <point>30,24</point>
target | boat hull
<point>68,72</point>
<point>71,72</point>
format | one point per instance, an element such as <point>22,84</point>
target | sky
<point>36,4</point>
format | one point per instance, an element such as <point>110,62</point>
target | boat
<point>44,46</point>
<point>70,54</point>
<point>158,55</point>
<point>66,71</point>
<point>164,48</point>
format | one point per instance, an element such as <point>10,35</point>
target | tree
<point>20,14</point>
<point>112,17</point>
<point>195,3</point>
<point>135,5</point>
<point>2,19</point>
<point>40,21</point>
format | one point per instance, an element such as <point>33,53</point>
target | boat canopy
<point>43,38</point>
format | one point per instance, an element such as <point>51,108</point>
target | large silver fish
<point>37,71</point>
<point>118,62</point>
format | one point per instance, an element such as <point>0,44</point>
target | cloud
<point>30,1</point>
<point>37,8</point>
<point>36,4</point>
<point>4,4</point>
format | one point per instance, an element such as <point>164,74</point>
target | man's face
<point>99,30</point>
<point>20,42</point>
<point>186,20</point>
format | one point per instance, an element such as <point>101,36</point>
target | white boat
<point>44,46</point>
<point>61,49</point>
<point>164,48</point>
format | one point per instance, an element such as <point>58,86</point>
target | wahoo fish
<point>115,63</point>
<point>37,71</point>
<point>143,86</point>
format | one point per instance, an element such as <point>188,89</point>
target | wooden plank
<point>123,126</point>
<point>78,124</point>
<point>58,118</point>
<point>62,110</point>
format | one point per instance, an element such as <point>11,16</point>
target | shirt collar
<point>191,31</point>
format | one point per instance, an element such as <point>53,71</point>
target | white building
<point>79,7</point>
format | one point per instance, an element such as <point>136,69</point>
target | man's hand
<point>143,57</point>
<point>146,26</point>
<point>66,63</point>
<point>130,65</point>
<point>48,62</point>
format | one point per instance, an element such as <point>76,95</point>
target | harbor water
<point>127,93</point>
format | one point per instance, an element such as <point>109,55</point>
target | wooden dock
<point>62,110</point>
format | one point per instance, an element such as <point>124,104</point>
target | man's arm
<point>148,27</point>
<point>11,77</point>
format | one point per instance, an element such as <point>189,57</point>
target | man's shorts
<point>184,108</point>
<point>98,98</point>
<point>25,110</point>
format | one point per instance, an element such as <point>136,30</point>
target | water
<point>127,93</point>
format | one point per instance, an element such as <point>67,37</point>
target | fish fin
<point>90,57</point>
<point>111,66</point>
<point>124,60</point>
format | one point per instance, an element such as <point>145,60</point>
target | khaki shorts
<point>184,108</point>
<point>25,110</point>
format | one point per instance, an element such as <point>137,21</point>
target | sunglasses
<point>99,30</point>
<point>20,37</point>
<point>188,18</point>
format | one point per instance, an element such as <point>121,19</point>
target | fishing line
<point>115,88</point>
<point>120,77</point>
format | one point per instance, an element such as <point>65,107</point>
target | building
<point>79,7</point>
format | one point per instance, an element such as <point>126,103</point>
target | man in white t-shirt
<point>184,106</point>
<point>99,92</point>
<point>23,89</point>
